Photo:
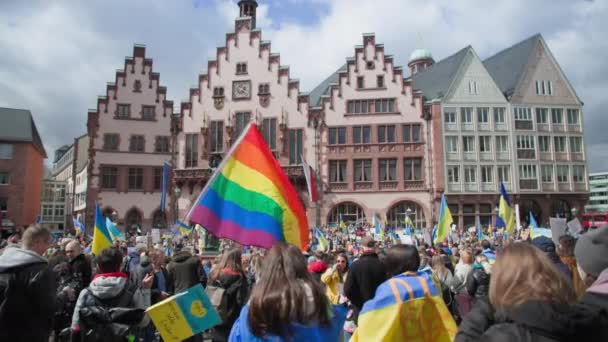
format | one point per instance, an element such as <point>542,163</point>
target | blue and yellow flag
<point>445,222</point>
<point>114,232</point>
<point>184,229</point>
<point>101,236</point>
<point>533,223</point>
<point>407,307</point>
<point>378,226</point>
<point>505,212</point>
<point>78,224</point>
<point>184,314</point>
<point>323,243</point>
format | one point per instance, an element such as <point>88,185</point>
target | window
<point>137,143</point>
<point>411,133</point>
<point>546,173</point>
<point>483,115</point>
<point>148,112</point>
<point>158,178</point>
<point>386,134</point>
<point>449,116</point>
<point>360,82</point>
<point>387,170</point>
<point>468,144</point>
<point>573,117</point>
<point>527,171</point>
<point>6,151</point>
<point>295,146</point>
<point>161,145</point>
<point>453,174</point>
<point>108,177</point>
<point>470,174</point>
<point>191,150</point>
<point>218,91</point>
<point>264,89</point>
<point>542,115</point>
<point>136,178</point>
<point>466,115</point>
<point>110,142</point>
<point>576,145</point>
<point>473,88</point>
<point>363,170</point>
<point>241,68</point>
<point>242,120</point>
<point>563,173</point>
<point>380,81</point>
<point>525,142</point>
<point>485,144</point>
<point>370,65</point>
<point>451,144</point>
<point>123,111</point>
<point>544,143</point>
<point>522,114</point>
<point>560,144</point>
<point>578,173</point>
<point>550,87</point>
<point>487,174</point>
<point>337,171</point>
<point>384,105</point>
<point>137,86</point>
<point>269,131</point>
<point>217,136</point>
<point>361,134</point>
<point>412,169</point>
<point>557,116</point>
<point>504,173</point>
<point>337,136</point>
<point>499,115</point>
<point>544,88</point>
<point>4,178</point>
<point>502,143</point>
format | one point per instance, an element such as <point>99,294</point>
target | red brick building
<point>21,169</point>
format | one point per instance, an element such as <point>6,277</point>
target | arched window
<point>527,207</point>
<point>133,219</point>
<point>350,212</point>
<point>560,208</point>
<point>158,220</point>
<point>397,213</point>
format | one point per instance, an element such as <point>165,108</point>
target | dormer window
<point>473,88</point>
<point>360,82</point>
<point>380,81</point>
<point>264,89</point>
<point>218,92</point>
<point>369,65</point>
<point>137,86</point>
<point>241,68</point>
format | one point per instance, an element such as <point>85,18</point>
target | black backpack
<point>226,300</point>
<point>110,320</point>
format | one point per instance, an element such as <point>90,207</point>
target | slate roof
<point>508,66</point>
<point>435,81</point>
<point>323,87</point>
<point>17,125</point>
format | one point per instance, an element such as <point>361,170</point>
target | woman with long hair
<point>334,278</point>
<point>529,300</point>
<point>461,273</point>
<point>565,251</point>
<point>444,276</point>
<point>229,275</point>
<point>478,282</point>
<point>287,304</point>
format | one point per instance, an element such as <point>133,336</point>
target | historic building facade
<point>374,152</point>
<point>130,139</point>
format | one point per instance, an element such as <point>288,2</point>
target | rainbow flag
<point>184,314</point>
<point>250,200</point>
<point>102,238</point>
<point>445,222</point>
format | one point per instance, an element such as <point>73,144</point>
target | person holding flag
<point>102,238</point>
<point>79,226</point>
<point>445,222</point>
<point>505,212</point>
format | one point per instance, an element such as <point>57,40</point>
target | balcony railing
<point>526,154</point>
<point>549,187</point>
<point>558,128</point>
<point>500,127</point>
<point>470,156</point>
<point>453,156</point>
<point>488,187</point>
<point>545,156</point>
<point>485,155</point>
<point>543,127</point>
<point>413,185</point>
<point>363,185</point>
<point>580,187</point>
<point>468,127</point>
<point>528,184</point>
<point>454,187</point>
<point>503,155</point>
<point>388,185</point>
<point>338,186</point>
<point>561,156</point>
<point>527,125</point>
<point>575,128</point>
<point>577,156</point>
<point>451,127</point>
<point>484,127</point>
<point>471,187</point>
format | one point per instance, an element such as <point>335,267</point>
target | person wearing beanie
<point>546,245</point>
<point>591,252</point>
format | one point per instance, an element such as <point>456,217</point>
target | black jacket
<point>237,291</point>
<point>80,267</point>
<point>531,321</point>
<point>478,283</point>
<point>364,277</point>
<point>28,313</point>
<point>185,271</point>
<point>137,276</point>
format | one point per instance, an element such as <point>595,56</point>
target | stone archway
<point>159,219</point>
<point>560,208</point>
<point>527,207</point>
<point>397,213</point>
<point>133,220</point>
<point>350,212</point>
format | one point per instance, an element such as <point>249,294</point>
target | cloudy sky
<point>57,55</point>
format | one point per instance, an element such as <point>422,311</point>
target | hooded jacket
<point>107,286</point>
<point>185,271</point>
<point>478,282</point>
<point>31,303</point>
<point>364,277</point>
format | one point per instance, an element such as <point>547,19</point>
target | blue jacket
<point>240,330</point>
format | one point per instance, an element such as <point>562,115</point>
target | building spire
<point>247,8</point>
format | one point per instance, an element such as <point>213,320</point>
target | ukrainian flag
<point>184,228</point>
<point>323,243</point>
<point>407,307</point>
<point>445,222</point>
<point>505,212</point>
<point>102,238</point>
<point>114,232</point>
<point>376,223</point>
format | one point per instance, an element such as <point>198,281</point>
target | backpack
<point>110,320</point>
<point>226,300</point>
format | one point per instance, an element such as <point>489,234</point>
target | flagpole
<point>219,168</point>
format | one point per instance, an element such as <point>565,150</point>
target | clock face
<point>241,90</point>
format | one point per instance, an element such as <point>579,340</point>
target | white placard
<point>155,235</point>
<point>558,228</point>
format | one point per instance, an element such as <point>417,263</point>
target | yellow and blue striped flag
<point>184,229</point>
<point>445,222</point>
<point>101,236</point>
<point>323,243</point>
<point>378,226</point>
<point>505,212</point>
<point>78,224</point>
<point>184,314</point>
<point>114,232</point>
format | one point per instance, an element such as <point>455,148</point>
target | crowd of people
<point>357,288</point>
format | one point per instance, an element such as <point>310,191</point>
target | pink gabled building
<point>130,139</point>
<point>244,83</point>
<point>374,156</point>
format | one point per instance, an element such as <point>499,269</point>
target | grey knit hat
<point>591,251</point>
